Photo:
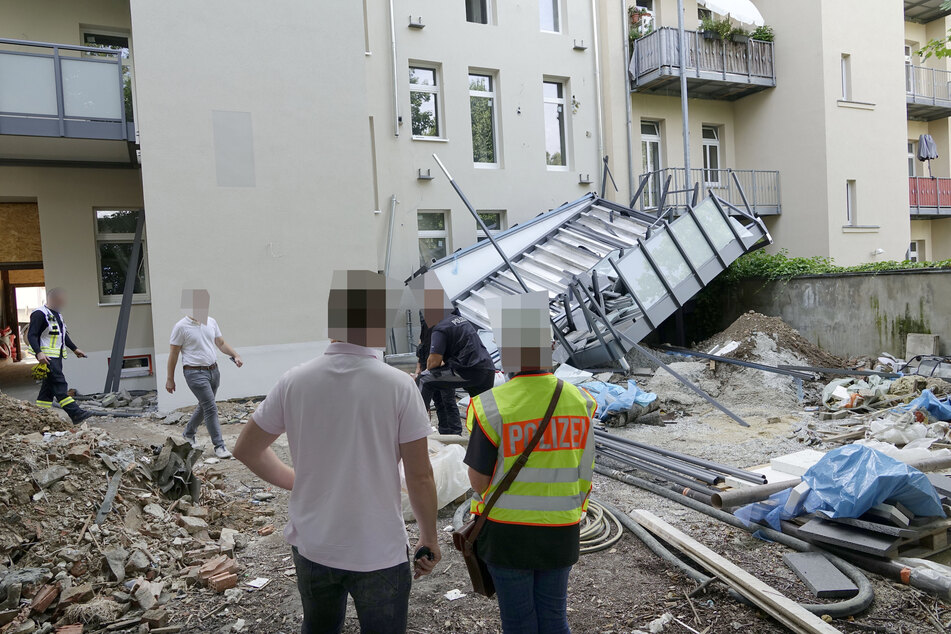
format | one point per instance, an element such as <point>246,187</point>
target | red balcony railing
<point>929,196</point>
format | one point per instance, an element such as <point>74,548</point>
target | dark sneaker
<point>81,416</point>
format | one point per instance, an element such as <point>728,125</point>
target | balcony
<point>924,11</point>
<point>715,68</point>
<point>927,92</point>
<point>64,104</point>
<point>929,197</point>
<point>760,187</point>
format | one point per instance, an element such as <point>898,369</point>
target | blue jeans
<point>204,385</point>
<point>381,597</point>
<point>532,601</point>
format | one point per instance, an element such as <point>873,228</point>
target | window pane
<point>710,133</point>
<point>116,221</point>
<point>431,249</point>
<point>422,76</point>
<point>554,134</point>
<point>549,15</point>
<point>492,220</point>
<point>481,83</point>
<point>644,282</point>
<point>113,264</point>
<point>649,128</point>
<point>483,129</point>
<point>552,89</point>
<point>477,11</point>
<point>428,221</point>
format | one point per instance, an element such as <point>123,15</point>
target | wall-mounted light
<point>877,252</point>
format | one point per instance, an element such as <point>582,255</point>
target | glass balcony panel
<point>27,85</point>
<point>91,90</point>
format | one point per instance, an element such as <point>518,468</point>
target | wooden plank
<point>770,600</point>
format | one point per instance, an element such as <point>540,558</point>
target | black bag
<point>464,539</point>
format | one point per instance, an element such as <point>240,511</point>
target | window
<point>846,77</point>
<point>711,155</point>
<point>554,92</point>
<point>704,14</point>
<point>650,162</point>
<point>115,233</point>
<point>909,69</point>
<point>916,251</point>
<point>482,113</point>
<point>494,220</point>
<point>850,203</point>
<point>912,158</point>
<point>115,41</point>
<point>433,235</point>
<point>477,11</point>
<point>135,365</point>
<point>550,15</point>
<point>424,101</point>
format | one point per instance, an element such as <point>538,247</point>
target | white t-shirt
<point>197,341</point>
<point>346,414</point>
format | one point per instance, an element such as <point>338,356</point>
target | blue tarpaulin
<point>940,409</point>
<point>847,482</point>
<point>614,398</point>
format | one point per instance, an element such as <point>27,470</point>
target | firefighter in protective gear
<point>531,539</point>
<point>50,340</point>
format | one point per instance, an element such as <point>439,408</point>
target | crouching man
<point>531,537</point>
<point>350,419</point>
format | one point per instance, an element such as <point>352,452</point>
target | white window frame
<point>120,238</point>
<point>480,234</point>
<point>489,14</point>
<point>846,72</point>
<point>851,200</point>
<point>437,100</point>
<point>912,159</point>
<point>710,147</point>
<point>558,15</point>
<point>562,102</point>
<point>433,233</point>
<point>491,94</point>
<point>914,251</point>
<point>651,192</point>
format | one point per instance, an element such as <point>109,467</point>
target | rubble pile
<point>20,417</point>
<point>234,411</point>
<point>88,537</point>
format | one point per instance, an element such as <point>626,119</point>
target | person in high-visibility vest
<point>49,339</point>
<point>531,539</point>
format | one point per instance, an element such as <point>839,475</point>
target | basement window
<point>115,233</point>
<point>135,366</point>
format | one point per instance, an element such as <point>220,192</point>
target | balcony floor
<point>926,109</point>
<point>38,150</point>
<point>708,85</point>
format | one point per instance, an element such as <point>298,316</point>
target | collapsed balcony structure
<point>613,274</point>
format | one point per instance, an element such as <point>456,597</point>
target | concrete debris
<point>50,476</point>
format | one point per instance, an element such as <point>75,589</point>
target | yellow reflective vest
<point>552,488</point>
<point>52,340</point>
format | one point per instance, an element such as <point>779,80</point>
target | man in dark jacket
<point>447,412</point>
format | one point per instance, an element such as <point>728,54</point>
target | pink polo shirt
<point>345,415</point>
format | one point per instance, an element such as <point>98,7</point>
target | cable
<point>600,528</point>
<point>840,609</point>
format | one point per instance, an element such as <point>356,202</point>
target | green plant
<point>721,27</point>
<point>763,33</point>
<point>739,32</point>
<point>779,266</point>
<point>639,30</point>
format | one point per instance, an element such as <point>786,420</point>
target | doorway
<point>651,162</point>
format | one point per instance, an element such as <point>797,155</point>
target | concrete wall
<point>854,314</point>
<point>261,206</point>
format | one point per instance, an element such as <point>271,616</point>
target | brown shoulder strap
<point>512,473</point>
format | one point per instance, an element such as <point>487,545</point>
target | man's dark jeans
<point>532,601</point>
<point>474,382</point>
<point>381,597</point>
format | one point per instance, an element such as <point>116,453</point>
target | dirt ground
<point>619,590</point>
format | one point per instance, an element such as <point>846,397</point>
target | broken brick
<point>264,531</point>
<point>76,594</point>
<point>75,628</point>
<point>44,598</point>
<point>155,618</point>
<point>78,453</point>
<point>224,581</point>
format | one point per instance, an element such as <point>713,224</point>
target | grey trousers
<point>204,385</point>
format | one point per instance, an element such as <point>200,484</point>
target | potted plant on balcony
<point>716,29</point>
<point>740,35</point>
<point>637,14</point>
<point>763,33</point>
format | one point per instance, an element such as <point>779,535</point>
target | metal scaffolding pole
<point>684,109</point>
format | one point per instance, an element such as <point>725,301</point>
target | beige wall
<point>522,56</point>
<point>60,21</point>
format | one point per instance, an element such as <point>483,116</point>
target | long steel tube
<point>703,475</point>
<point>786,371</point>
<point>756,478</point>
<point>657,471</point>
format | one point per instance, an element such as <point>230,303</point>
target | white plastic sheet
<point>452,476</point>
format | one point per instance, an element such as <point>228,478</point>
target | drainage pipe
<point>396,75</point>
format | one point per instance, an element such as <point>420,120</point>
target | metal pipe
<point>746,364</point>
<point>700,462</point>
<point>481,223</point>
<point>655,470</point>
<point>389,235</point>
<point>625,36</point>
<point>747,495</point>
<point>704,475</point>
<point>396,75</point>
<point>684,108</point>
<point>598,96</point>
<point>845,371</point>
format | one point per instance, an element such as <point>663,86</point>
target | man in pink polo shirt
<point>350,419</point>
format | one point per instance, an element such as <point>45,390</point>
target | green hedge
<point>779,266</point>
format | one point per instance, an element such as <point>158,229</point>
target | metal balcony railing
<point>761,188</point>
<point>61,90</point>
<point>928,85</point>
<point>656,58</point>
<point>929,196</point>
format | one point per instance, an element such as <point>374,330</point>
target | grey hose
<point>839,609</point>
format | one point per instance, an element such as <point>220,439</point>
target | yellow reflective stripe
<point>45,404</point>
<point>66,401</point>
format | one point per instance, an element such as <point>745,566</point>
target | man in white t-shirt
<point>350,420</point>
<point>197,339</point>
